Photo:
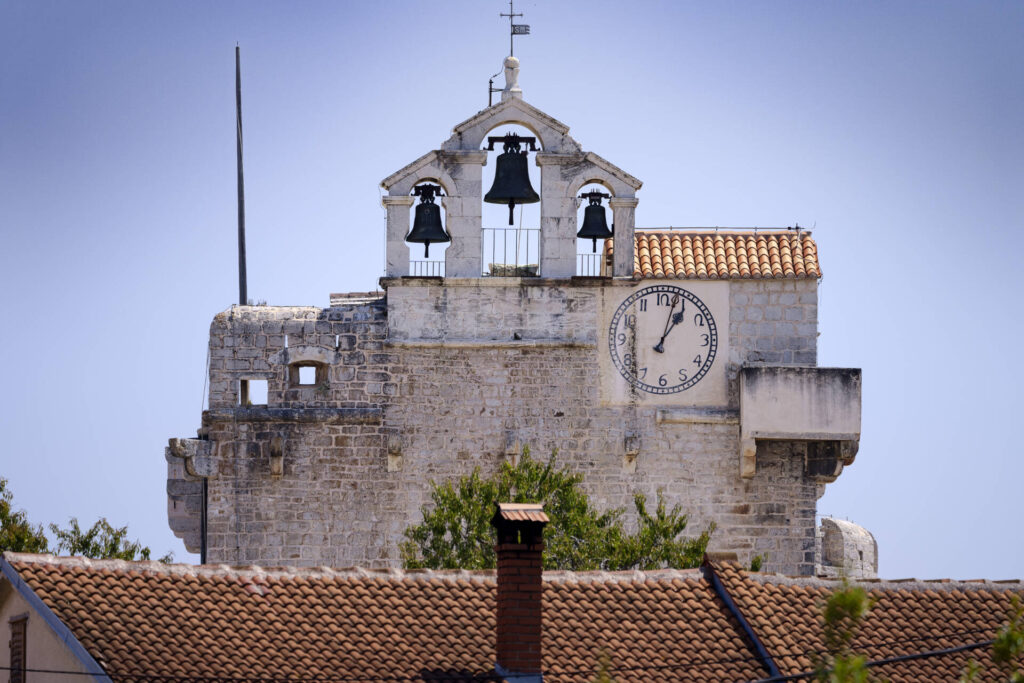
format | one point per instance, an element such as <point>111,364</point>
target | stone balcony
<point>820,406</point>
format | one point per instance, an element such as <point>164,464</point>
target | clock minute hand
<point>670,322</point>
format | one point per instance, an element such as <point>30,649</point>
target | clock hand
<point>670,322</point>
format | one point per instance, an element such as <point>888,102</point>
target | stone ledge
<point>492,281</point>
<point>698,416</point>
<point>489,344</point>
<point>331,416</point>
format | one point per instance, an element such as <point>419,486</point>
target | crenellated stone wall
<point>444,376</point>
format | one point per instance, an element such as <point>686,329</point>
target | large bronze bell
<point>595,226</point>
<point>511,175</point>
<point>426,226</point>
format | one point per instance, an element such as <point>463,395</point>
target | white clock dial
<point>663,339</point>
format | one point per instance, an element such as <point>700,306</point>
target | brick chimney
<point>520,546</point>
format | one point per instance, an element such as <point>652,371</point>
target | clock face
<point>662,339</point>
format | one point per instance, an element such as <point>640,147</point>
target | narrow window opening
<point>286,341</point>
<point>337,340</point>
<point>18,643</point>
<point>861,553</point>
<point>307,375</point>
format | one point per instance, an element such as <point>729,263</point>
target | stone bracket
<point>277,457</point>
<point>197,455</point>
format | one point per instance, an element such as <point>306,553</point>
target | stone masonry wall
<point>447,378</point>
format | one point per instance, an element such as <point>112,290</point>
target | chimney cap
<point>520,512</point>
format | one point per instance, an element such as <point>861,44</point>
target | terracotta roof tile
<point>721,255</point>
<point>907,617</point>
<point>522,512</point>
<point>216,620</point>
<point>419,625</point>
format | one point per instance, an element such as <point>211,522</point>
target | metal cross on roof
<point>514,28</point>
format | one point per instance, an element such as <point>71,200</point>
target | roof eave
<point>58,627</point>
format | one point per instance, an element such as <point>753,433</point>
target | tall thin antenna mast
<point>242,297</point>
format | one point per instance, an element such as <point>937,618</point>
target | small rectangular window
<point>307,374</point>
<point>252,392</point>
<point>18,642</point>
<point>258,392</point>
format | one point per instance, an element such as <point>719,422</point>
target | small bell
<point>595,226</point>
<point>426,226</point>
<point>511,175</point>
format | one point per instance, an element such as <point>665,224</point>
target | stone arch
<point>442,179</point>
<point>305,354</point>
<point>592,174</point>
<point>552,135</point>
<point>514,122</point>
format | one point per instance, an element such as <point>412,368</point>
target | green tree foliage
<point>604,669</point>
<point>16,533</point>
<point>1007,648</point>
<point>456,531</point>
<point>844,612</point>
<point>100,541</point>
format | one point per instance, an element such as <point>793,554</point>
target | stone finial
<point>512,88</point>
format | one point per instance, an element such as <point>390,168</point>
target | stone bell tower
<point>685,367</point>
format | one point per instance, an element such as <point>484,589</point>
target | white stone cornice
<point>400,200</point>
<point>623,202</point>
<point>464,156</point>
<point>552,159</point>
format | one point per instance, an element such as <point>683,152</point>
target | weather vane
<point>514,28</point>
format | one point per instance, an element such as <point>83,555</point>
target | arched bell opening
<point>428,237</point>
<point>510,244</point>
<point>595,226</point>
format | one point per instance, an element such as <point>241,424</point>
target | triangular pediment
<point>612,169</point>
<point>409,169</point>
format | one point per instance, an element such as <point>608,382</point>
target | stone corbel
<point>277,457</point>
<point>395,452</point>
<point>748,457</point>
<point>631,446</point>
<point>513,446</point>
<point>196,454</point>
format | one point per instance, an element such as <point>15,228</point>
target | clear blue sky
<point>893,129</point>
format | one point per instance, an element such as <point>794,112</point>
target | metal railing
<point>507,252</point>
<point>589,265</point>
<point>426,268</point>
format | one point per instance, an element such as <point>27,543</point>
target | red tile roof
<point>181,620</point>
<point>906,618</point>
<point>721,255</point>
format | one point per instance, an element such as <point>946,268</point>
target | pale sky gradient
<point>894,129</point>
